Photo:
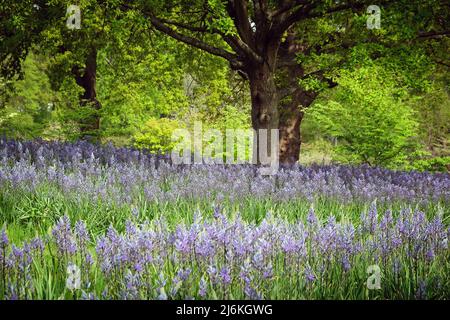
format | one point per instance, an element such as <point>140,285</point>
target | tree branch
<point>433,34</point>
<point>238,11</point>
<point>306,11</point>
<point>161,26</point>
<point>189,27</point>
<point>296,15</point>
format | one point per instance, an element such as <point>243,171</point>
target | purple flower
<point>288,244</point>
<point>88,296</point>
<point>138,267</point>
<point>176,285</point>
<point>223,246</point>
<point>216,213</point>
<point>430,254</point>
<point>386,221</point>
<point>81,232</point>
<point>17,253</point>
<point>37,244</point>
<point>135,212</point>
<point>372,218</point>
<point>251,292</point>
<point>212,272</point>
<point>130,228</point>
<point>421,292</point>
<point>183,275</point>
<point>346,263</point>
<point>89,260</point>
<point>225,275</point>
<point>309,275</point>
<point>63,237</point>
<point>160,290</point>
<point>203,287</point>
<point>311,218</point>
<point>4,241</point>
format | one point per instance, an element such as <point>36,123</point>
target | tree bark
<point>264,101</point>
<point>293,98</point>
<point>271,112</point>
<point>89,126</point>
<point>291,116</point>
<point>290,139</point>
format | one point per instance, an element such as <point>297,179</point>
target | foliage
<point>370,117</point>
<point>433,109</point>
<point>430,164</point>
<point>156,135</point>
<point>27,109</point>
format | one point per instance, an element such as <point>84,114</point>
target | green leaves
<point>220,19</point>
<point>156,135</point>
<point>27,110</point>
<point>370,118</point>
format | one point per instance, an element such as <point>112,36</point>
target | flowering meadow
<point>84,221</point>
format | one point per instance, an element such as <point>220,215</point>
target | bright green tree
<point>26,110</point>
<point>48,27</point>
<point>370,118</point>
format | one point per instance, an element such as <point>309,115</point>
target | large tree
<point>290,50</point>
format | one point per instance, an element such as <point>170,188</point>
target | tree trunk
<point>291,116</point>
<point>90,125</point>
<point>264,106</point>
<point>290,139</point>
<point>268,112</point>
<point>293,99</point>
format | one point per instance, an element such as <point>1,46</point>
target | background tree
<point>26,109</point>
<point>370,118</point>
<point>73,52</point>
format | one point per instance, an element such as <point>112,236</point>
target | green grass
<point>29,213</point>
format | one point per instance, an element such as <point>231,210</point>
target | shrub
<point>370,118</point>
<point>156,135</point>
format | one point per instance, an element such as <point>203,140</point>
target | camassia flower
<point>80,169</point>
<point>63,237</point>
<point>275,249</point>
